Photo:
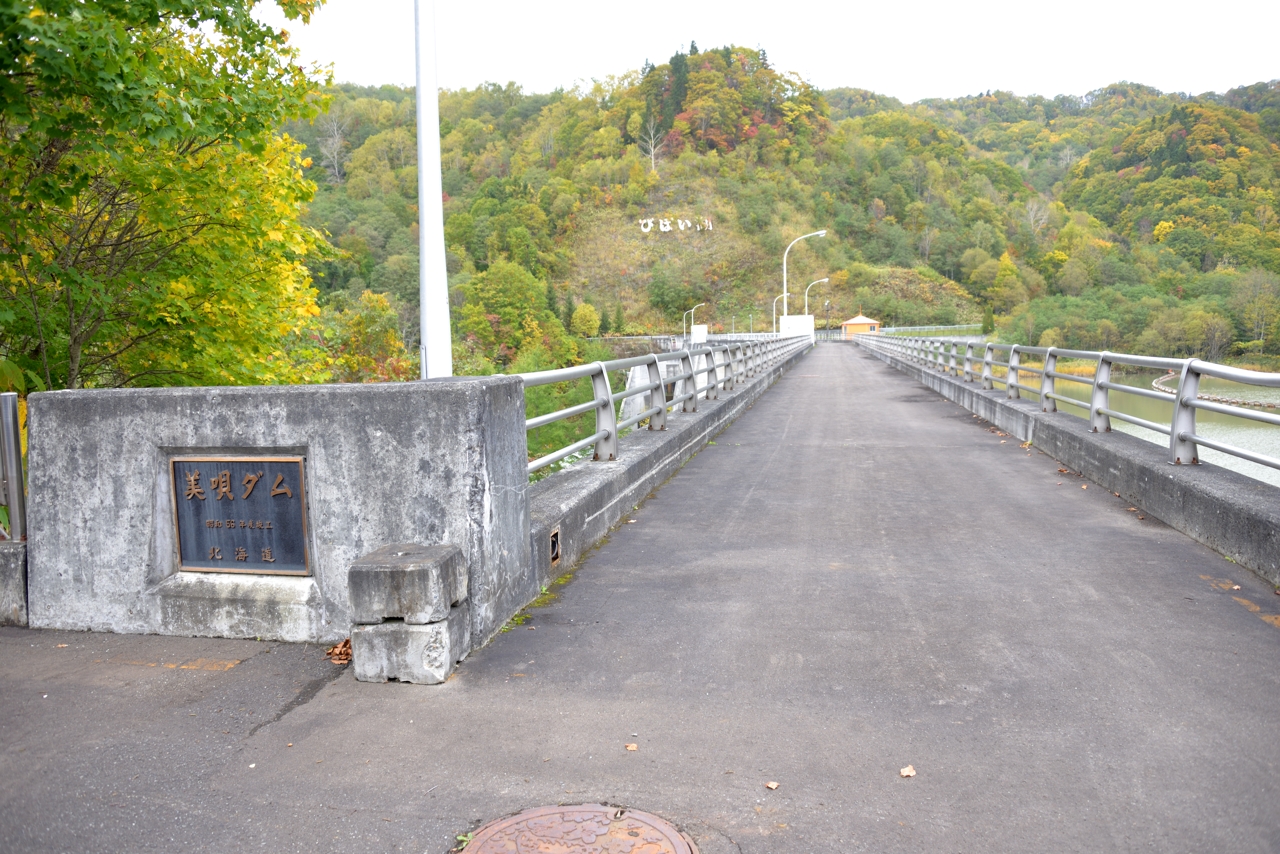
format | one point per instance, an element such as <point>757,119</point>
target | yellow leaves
<point>1161,231</point>
<point>36,12</point>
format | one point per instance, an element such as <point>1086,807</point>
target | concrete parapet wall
<point>584,501</point>
<point>433,462</point>
<point>1230,513</point>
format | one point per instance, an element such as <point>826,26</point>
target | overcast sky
<point>910,50</point>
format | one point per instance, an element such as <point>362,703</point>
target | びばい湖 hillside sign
<point>677,224</point>
<point>240,514</point>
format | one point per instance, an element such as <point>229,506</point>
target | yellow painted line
<point>1253,609</point>
<point>212,664</point>
<point>209,664</point>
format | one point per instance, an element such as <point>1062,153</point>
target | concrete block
<point>409,582</point>
<point>421,654</point>
<point>13,583</point>
<point>439,461</point>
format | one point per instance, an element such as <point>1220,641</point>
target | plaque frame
<point>298,459</point>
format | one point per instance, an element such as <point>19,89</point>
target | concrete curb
<point>1234,515</point>
<point>585,501</point>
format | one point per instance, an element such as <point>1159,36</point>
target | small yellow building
<point>858,325</point>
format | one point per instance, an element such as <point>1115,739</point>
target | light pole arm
<point>822,233</point>
<point>806,293</point>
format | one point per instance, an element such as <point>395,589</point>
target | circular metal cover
<point>585,829</point>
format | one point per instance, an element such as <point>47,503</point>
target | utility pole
<point>436,345</point>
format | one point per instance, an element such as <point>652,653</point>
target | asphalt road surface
<point>856,577</point>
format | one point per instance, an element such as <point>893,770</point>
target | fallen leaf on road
<point>1062,471</point>
<point>339,653</point>
<point>1084,486</point>
<point>1133,509</point>
<point>909,771</point>
<point>1140,518</point>
<point>62,646</point>
<point>290,744</point>
<point>633,747</point>
<point>1002,441</point>
<point>1235,587</point>
<point>771,785</point>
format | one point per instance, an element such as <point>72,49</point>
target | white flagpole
<point>433,276</point>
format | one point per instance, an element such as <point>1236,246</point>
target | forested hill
<point>1126,218</point>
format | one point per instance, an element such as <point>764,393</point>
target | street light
<point>775,312</point>
<point>822,233</point>
<point>689,314</point>
<point>806,293</point>
<point>436,344</point>
<point>827,306</point>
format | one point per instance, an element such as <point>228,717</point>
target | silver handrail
<point>721,368</point>
<point>12,490</point>
<point>959,357</point>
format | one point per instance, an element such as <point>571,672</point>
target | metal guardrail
<point>963,328</point>
<point>720,368</point>
<point>12,491</point>
<point>958,357</point>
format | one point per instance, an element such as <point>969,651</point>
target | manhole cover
<point>585,829</point>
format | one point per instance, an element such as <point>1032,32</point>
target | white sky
<point>910,50</point>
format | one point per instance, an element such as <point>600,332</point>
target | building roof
<point>862,318</point>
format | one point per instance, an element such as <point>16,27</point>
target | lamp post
<point>806,293</point>
<point>827,324</point>
<point>822,233</point>
<point>689,314</point>
<point>775,312</point>
<point>433,276</point>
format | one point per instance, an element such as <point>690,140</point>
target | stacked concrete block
<point>409,612</point>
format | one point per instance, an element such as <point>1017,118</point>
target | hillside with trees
<point>1125,218</point>
<point>170,225</point>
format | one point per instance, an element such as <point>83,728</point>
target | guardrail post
<point>606,418</point>
<point>712,375</point>
<point>968,361</point>
<point>1182,450</point>
<point>688,383</point>
<point>1011,376</point>
<point>657,396</point>
<point>1048,404</point>
<point>987,380</point>
<point>11,486</point>
<point>1099,421</point>
<point>951,369</point>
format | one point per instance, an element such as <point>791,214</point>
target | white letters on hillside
<point>664,225</point>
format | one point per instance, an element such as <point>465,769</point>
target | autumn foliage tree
<point>150,226</point>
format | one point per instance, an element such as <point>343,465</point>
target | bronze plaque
<point>240,514</point>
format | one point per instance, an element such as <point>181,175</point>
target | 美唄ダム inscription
<point>240,514</point>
